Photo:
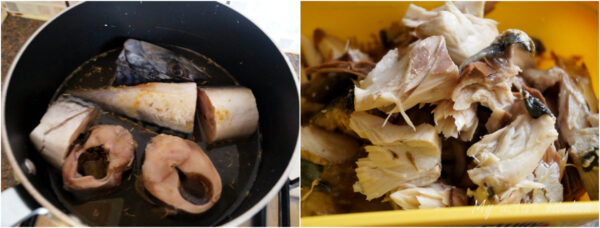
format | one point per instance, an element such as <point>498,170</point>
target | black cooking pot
<point>210,28</point>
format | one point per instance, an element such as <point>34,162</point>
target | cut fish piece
<point>541,186</point>
<point>62,123</point>
<point>141,62</point>
<point>432,196</point>
<point>227,112</point>
<point>101,161</point>
<point>178,172</point>
<point>465,34</point>
<point>507,156</point>
<point>170,105</point>
<point>455,123</point>
<point>425,74</point>
<point>325,147</point>
<point>400,157</point>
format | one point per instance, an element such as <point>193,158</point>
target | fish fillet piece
<point>425,74</point>
<point>400,157</point>
<point>455,123</point>
<point>507,156</point>
<point>465,33</point>
<point>325,147</point>
<point>578,127</point>
<point>170,105</point>
<point>62,123</point>
<point>180,174</point>
<point>432,196</point>
<point>116,145</point>
<point>227,112</point>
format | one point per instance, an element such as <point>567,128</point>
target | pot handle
<point>19,208</point>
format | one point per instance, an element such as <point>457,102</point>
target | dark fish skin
<point>142,62</point>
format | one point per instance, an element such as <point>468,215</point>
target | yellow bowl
<point>567,28</point>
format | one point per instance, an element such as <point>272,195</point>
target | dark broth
<point>130,204</point>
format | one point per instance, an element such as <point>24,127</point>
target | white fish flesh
<point>62,123</point>
<point>507,156</point>
<point>455,123</point>
<point>325,147</point>
<point>578,127</point>
<point>399,157</point>
<point>487,85</point>
<point>425,74</point>
<point>101,160</point>
<point>180,174</point>
<point>227,112</point>
<point>435,195</point>
<point>543,79</point>
<point>170,105</point>
<point>465,34</point>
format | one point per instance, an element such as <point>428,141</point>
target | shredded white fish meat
<point>432,196</point>
<point>425,74</point>
<point>507,156</point>
<point>399,156</point>
<point>465,33</point>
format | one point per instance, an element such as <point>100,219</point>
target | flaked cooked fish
<point>399,157</point>
<point>324,147</point>
<point>466,32</point>
<point>549,176</point>
<point>529,101</point>
<point>435,195</point>
<point>513,46</point>
<point>170,105</point>
<point>485,84</point>
<point>425,74</point>
<point>507,156</point>
<point>455,123</point>
<point>543,79</point>
<point>578,127</point>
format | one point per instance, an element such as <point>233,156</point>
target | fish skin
<point>141,62</point>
